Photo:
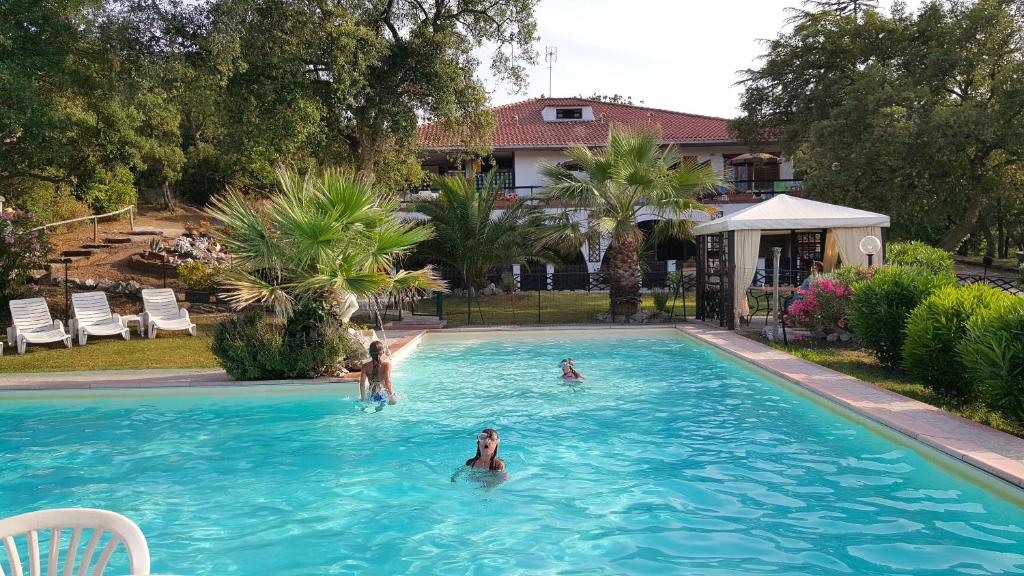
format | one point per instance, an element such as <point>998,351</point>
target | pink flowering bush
<point>821,307</point>
<point>21,250</point>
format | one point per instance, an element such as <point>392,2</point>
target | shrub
<point>821,306</point>
<point>21,250</point>
<point>935,260</point>
<point>850,274</point>
<point>936,327</point>
<point>993,353</point>
<point>879,308</point>
<point>111,190</point>
<point>254,347</point>
<point>196,276</point>
<point>249,347</point>
<point>661,298</point>
<point>313,345</point>
<point>47,202</point>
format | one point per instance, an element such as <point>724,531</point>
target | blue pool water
<point>668,459</point>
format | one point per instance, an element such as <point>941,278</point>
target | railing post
<point>439,305</point>
<point>131,217</point>
<point>95,229</point>
<point>538,305</point>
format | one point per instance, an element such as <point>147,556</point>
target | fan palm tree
<point>633,173</point>
<point>472,237</point>
<point>320,240</point>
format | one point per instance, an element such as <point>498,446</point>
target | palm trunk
<point>624,276</point>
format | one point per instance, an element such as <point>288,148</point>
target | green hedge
<point>993,354</point>
<point>936,327</point>
<point>880,306</point>
<point>252,346</point>
<point>935,260</point>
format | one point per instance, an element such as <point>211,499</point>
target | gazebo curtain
<point>747,244</point>
<point>844,244</point>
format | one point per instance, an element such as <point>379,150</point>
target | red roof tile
<point>520,125</point>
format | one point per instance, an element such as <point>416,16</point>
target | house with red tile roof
<point>533,132</point>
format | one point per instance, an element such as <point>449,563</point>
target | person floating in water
<point>375,378</point>
<point>486,460</point>
<point>569,371</point>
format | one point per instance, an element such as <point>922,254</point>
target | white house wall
<point>527,163</point>
<point>581,216</point>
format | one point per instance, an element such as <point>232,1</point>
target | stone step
<point>58,261</point>
<point>97,246</point>
<point>76,253</point>
<point>144,233</point>
<point>117,240</point>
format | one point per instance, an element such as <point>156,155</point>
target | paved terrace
<point>992,451</point>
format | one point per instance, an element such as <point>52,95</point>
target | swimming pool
<point>668,459</point>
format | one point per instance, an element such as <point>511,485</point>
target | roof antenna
<point>550,56</point>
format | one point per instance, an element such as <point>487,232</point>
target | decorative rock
<point>88,283</point>
<point>603,317</point>
<point>491,290</point>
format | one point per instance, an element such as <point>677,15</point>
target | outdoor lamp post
<point>869,246</point>
<point>67,294</point>
<point>776,309</point>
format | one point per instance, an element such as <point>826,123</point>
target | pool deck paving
<point>995,452</point>
<point>400,345</point>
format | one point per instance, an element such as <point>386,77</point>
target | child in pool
<point>375,378</point>
<point>486,458</point>
<point>569,371</point>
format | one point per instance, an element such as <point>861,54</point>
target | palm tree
<point>320,240</point>
<point>633,173</point>
<point>472,238</point>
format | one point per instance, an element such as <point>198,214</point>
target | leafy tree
<point>843,7</point>
<point>631,174</point>
<point>347,81</point>
<point>472,239</point>
<point>315,243</point>
<point>612,99</point>
<point>917,115</point>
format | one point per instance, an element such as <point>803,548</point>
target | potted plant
<point>198,280</point>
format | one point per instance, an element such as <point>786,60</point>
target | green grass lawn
<point>522,309</point>
<point>167,350</point>
<point>862,365</point>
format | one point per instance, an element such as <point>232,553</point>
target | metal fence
<point>558,298</point>
<point>1009,285</point>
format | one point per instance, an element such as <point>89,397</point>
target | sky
<point>681,55</point>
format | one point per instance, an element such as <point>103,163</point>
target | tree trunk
<point>168,197</point>
<point>952,239</point>
<point>624,276</point>
<point>366,153</point>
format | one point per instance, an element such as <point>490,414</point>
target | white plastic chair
<point>33,324</point>
<point>162,312</point>
<point>122,531</point>
<point>93,317</point>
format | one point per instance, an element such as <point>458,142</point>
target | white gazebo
<point>733,252</point>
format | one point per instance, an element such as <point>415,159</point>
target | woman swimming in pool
<point>375,378</point>
<point>569,371</point>
<point>486,458</point>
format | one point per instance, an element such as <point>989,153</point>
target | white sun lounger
<point>162,312</point>
<point>48,529</point>
<point>33,324</point>
<point>93,317</point>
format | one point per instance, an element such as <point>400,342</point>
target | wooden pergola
<point>731,250</point>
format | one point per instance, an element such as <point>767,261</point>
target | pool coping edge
<point>400,349</point>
